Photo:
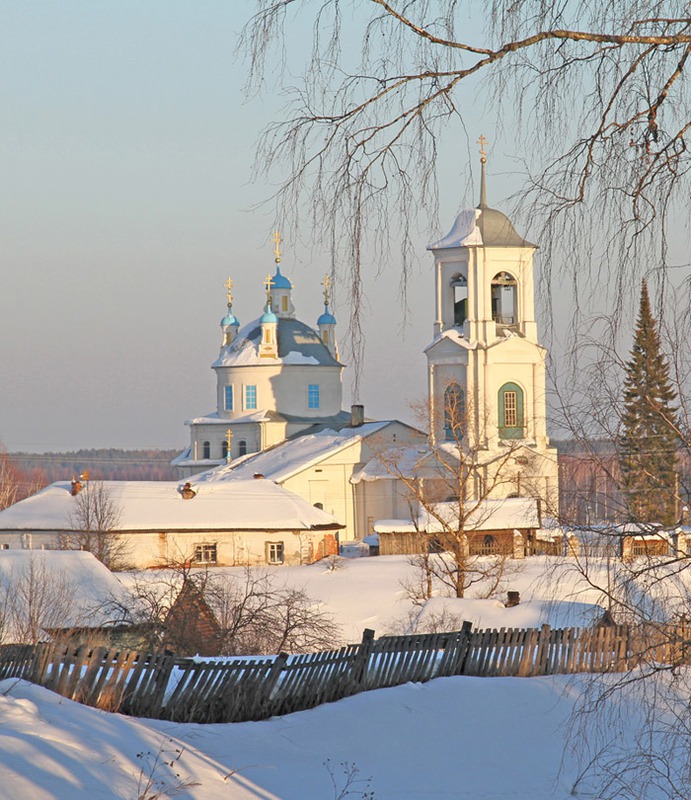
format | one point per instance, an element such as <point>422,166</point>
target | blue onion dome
<point>280,281</point>
<point>229,319</point>
<point>327,318</point>
<point>268,315</point>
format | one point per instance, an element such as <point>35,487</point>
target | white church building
<point>486,366</point>
<point>275,377</point>
<point>279,421</point>
<point>279,392</point>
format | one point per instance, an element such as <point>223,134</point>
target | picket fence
<point>162,686</point>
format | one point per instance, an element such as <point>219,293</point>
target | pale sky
<point>126,157</point>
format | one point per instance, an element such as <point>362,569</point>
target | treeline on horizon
<point>107,464</point>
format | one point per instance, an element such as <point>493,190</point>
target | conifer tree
<point>649,433</point>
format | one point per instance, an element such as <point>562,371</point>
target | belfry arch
<point>504,293</point>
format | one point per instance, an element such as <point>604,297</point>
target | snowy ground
<point>471,738</point>
<point>369,593</point>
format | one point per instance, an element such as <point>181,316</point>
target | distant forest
<point>109,464</point>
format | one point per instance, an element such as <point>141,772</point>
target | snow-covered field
<point>470,738</point>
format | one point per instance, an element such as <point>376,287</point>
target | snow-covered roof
<point>391,464</point>
<point>488,515</point>
<point>453,335</point>
<point>298,344</point>
<point>261,415</point>
<point>478,227</point>
<point>294,455</point>
<point>159,505</point>
<point>79,583</point>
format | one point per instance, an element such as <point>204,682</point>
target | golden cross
<point>326,283</point>
<point>229,437</point>
<point>268,283</point>
<point>277,246</point>
<point>483,155</point>
<point>229,286</point>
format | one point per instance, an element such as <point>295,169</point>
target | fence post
<point>542,655</point>
<point>456,656</point>
<point>362,657</point>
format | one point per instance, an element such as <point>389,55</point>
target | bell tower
<point>486,367</point>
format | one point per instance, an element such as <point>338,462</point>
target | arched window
<point>224,449</point>
<point>206,449</point>
<point>459,284</point>
<point>454,412</point>
<point>504,308</point>
<point>511,423</point>
<point>242,447</point>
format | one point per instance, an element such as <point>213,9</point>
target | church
<point>279,472</point>
<point>279,393</point>
<point>275,377</point>
<point>485,365</point>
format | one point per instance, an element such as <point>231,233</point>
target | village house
<point>160,523</point>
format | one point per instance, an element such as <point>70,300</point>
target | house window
<point>242,447</point>
<point>224,449</point>
<point>511,423</point>
<point>454,412</point>
<point>284,303</point>
<point>206,449</point>
<point>205,554</point>
<point>274,552</point>
<point>313,395</point>
<point>228,398</point>
<point>250,397</point>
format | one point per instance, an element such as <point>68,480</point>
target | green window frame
<point>511,412</point>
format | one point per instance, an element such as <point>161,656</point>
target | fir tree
<point>649,434</point>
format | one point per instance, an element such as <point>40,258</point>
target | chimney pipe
<point>357,415</point>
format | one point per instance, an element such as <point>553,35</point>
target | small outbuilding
<point>490,527</point>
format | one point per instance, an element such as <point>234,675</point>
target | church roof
<point>327,318</point>
<point>279,281</point>
<point>280,462</point>
<point>481,227</point>
<point>451,335</point>
<point>297,344</point>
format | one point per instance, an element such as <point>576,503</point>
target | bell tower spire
<point>483,160</point>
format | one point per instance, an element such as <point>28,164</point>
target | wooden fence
<point>238,689</point>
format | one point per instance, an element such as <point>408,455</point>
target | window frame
<point>206,553</point>
<point>454,412</point>
<point>511,420</point>
<point>228,395</point>
<point>275,553</point>
<point>313,396</point>
<point>250,397</point>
